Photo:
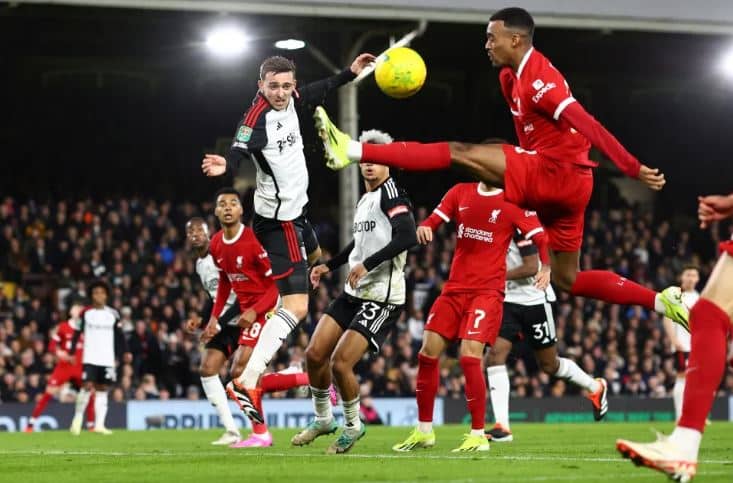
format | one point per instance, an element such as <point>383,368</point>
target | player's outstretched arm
<point>315,93</point>
<point>714,208</point>
<point>213,165</point>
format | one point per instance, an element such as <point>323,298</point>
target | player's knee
<point>459,151</point>
<point>340,366</point>
<point>208,368</point>
<point>549,367</point>
<point>564,279</point>
<point>236,371</point>
<point>299,308</point>
<point>315,356</point>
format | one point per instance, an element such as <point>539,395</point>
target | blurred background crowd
<point>51,251</point>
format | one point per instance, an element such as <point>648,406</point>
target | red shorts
<point>64,373</point>
<point>558,191</point>
<point>727,247</point>
<point>249,336</point>
<point>469,316</point>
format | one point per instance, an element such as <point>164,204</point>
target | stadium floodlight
<point>726,64</point>
<point>290,44</point>
<point>226,41</point>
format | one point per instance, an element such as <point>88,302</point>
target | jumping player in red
<point>548,172</point>
<point>245,268</point>
<point>470,306</point>
<point>68,368</point>
<point>710,320</point>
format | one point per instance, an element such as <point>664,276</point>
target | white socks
<point>322,405</point>
<point>687,441</point>
<point>678,391</point>
<point>425,427</point>
<point>82,399</point>
<point>214,390</point>
<point>276,330</point>
<point>658,305</point>
<point>353,150</point>
<point>499,393</point>
<point>569,370</point>
<point>100,409</point>
<point>351,415</point>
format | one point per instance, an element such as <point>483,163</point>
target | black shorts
<point>680,360</point>
<point>226,340</point>
<point>373,320</point>
<point>532,322</point>
<point>288,244</point>
<point>99,374</point>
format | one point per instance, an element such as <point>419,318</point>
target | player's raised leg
<point>710,320</point>
<point>499,388</point>
<point>428,378</point>
<point>318,354</point>
<point>350,349</point>
<point>211,363</point>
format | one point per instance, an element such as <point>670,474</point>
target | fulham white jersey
<point>523,291</point>
<point>209,276</point>
<point>98,327</point>
<point>689,298</point>
<point>372,231</point>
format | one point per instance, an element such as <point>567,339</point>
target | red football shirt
<point>245,268</point>
<point>537,95</point>
<point>61,340</point>
<point>485,225</point>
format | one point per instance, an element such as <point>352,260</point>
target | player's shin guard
<point>276,330</point>
<point>710,326</point>
<point>214,390</point>
<point>475,391</point>
<point>612,288</point>
<point>428,377</point>
<point>408,156</point>
<point>499,389</point>
<point>678,392</point>
<point>322,405</point>
<point>351,415</point>
<point>569,370</point>
<point>100,409</point>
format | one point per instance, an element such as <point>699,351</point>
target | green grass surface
<point>540,452</point>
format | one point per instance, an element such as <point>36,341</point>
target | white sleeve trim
<point>561,107</point>
<point>268,273</point>
<point>442,215</point>
<point>533,233</point>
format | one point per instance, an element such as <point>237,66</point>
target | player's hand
<point>62,355</point>
<point>356,274</point>
<point>542,279</point>
<point>247,318</point>
<point>317,272</point>
<point>653,178</point>
<point>361,62</point>
<point>714,208</point>
<point>214,165</point>
<point>192,324</point>
<point>212,328</point>
<point>424,235</point>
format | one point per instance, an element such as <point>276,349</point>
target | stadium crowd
<point>50,252</point>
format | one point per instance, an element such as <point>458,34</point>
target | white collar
<point>494,192</point>
<point>236,237</point>
<point>524,61</point>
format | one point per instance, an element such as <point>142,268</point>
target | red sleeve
<point>55,339</point>
<point>445,211</point>
<point>588,126</point>
<point>260,258</point>
<point>528,223</point>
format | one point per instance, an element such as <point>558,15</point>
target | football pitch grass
<point>540,452</point>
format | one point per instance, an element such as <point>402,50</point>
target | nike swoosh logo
<point>473,333</point>
<point>461,208</point>
<point>219,260</point>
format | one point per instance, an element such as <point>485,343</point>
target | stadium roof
<point>702,16</point>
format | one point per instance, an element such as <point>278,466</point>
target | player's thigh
<point>499,352</point>
<point>565,266</point>
<point>443,319</point>
<point>218,350</point>
<point>286,250</point>
<point>538,326</point>
<point>485,162</point>
<point>350,349</point>
<point>509,333</point>
<point>59,377</point>
<point>547,359</point>
<point>482,317</point>
<point>471,348</point>
<point>240,358</point>
<point>719,288</point>
<point>212,361</point>
<point>330,327</point>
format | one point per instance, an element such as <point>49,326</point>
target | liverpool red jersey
<point>537,94</point>
<point>485,225</point>
<point>61,340</point>
<point>245,268</point>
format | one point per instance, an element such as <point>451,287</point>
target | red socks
<point>41,405</point>
<point>408,156</point>
<point>90,411</point>
<point>428,376</point>
<point>282,382</point>
<point>475,390</point>
<point>612,288</point>
<point>709,326</point>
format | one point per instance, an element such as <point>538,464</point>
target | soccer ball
<point>400,72</point>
